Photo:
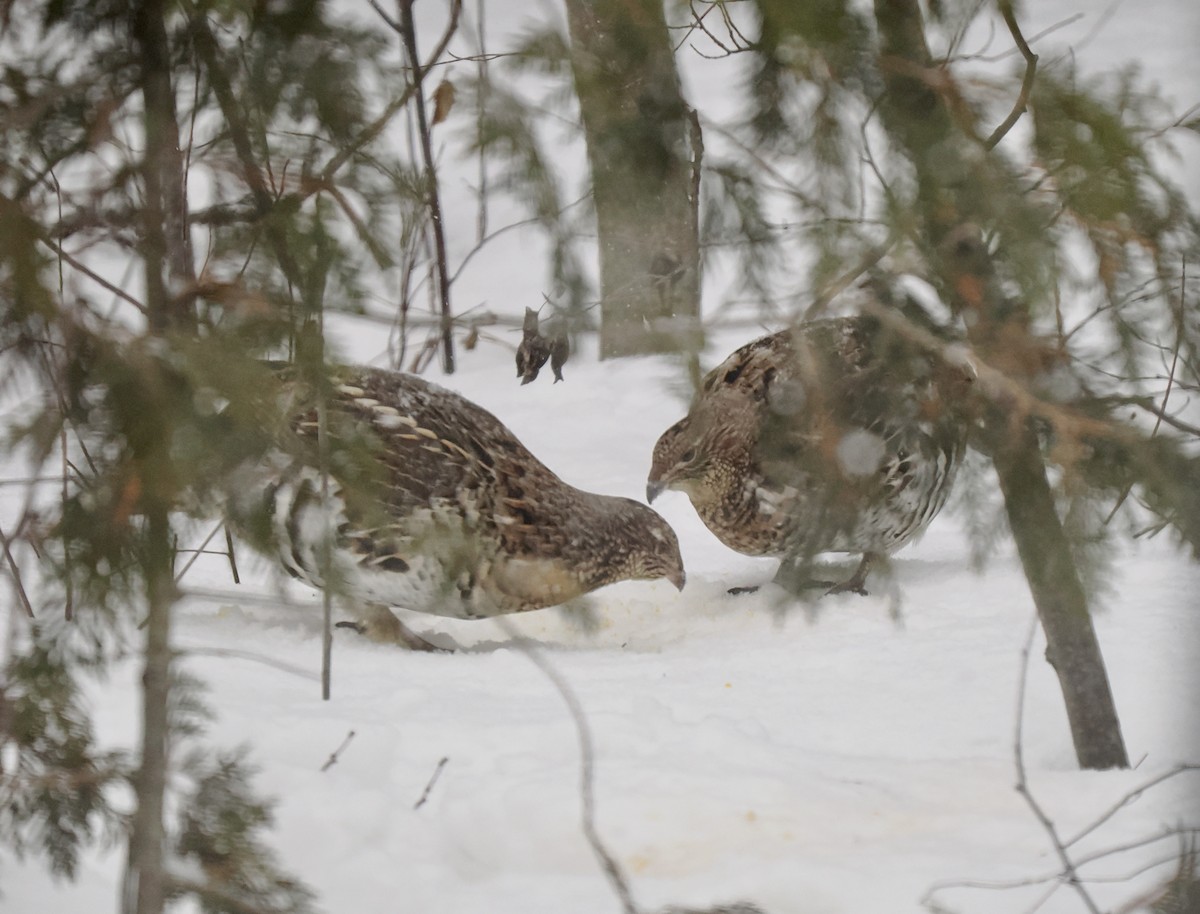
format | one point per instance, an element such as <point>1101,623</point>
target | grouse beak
<point>678,579</point>
<point>653,490</point>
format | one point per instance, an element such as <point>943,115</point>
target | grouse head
<point>642,546</point>
<point>704,452</point>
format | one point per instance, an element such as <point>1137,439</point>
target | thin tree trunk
<point>166,244</point>
<point>145,878</point>
<point>434,201</point>
<point>916,116</point>
<point>640,146</point>
<point>170,280</point>
<point>1072,648</point>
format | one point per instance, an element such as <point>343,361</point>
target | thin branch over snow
<point>587,794</point>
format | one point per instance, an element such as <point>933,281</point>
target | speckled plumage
<point>454,516</point>
<point>832,437</point>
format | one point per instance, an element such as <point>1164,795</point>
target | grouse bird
<point>437,507</point>
<point>833,436</point>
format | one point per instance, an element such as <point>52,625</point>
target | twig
<point>834,287</point>
<point>333,756</point>
<point>994,58</point>
<point>15,570</point>
<point>1136,845</point>
<point>381,257</point>
<point>326,559</point>
<point>1130,797</point>
<point>1166,394</point>
<point>1031,60</point>
<point>92,275</point>
<point>246,655</point>
<point>1069,871</point>
<point>520,223</point>
<point>200,550</point>
<point>437,772</point>
<point>239,134</point>
<point>33,481</point>
<point>587,790</point>
<point>409,34</point>
<point>233,569</point>
<point>481,218</point>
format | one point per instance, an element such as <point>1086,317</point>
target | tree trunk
<point>1071,645</point>
<point>643,147</point>
<point>917,117</point>
<point>166,243</point>
<point>145,886</point>
<point>170,281</point>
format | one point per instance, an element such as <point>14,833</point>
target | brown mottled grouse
<point>834,436</point>
<point>451,514</point>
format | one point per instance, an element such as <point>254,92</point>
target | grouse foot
<point>379,624</point>
<point>789,584</point>
<point>857,581</point>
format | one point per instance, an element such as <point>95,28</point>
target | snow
<point>844,756</point>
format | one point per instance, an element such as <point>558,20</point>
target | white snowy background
<point>845,757</point>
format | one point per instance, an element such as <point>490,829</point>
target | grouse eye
<point>688,455</point>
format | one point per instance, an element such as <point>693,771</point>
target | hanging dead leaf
<point>537,347</point>
<point>443,101</point>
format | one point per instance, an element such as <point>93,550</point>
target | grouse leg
<point>380,624</point>
<point>857,581</point>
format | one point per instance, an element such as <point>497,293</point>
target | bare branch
<point>15,571</point>
<point>1069,871</point>
<point>1166,395</point>
<point>333,756</point>
<point>1031,61</point>
<point>587,790</point>
<point>92,275</point>
<point>246,655</point>
<point>834,287</point>
<point>198,552</point>
<point>409,34</point>
<point>433,778</point>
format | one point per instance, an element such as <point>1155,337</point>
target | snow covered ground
<point>848,757</point>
